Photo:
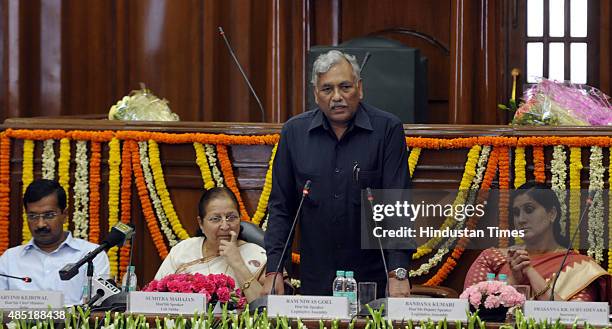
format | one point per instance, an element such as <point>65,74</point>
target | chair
<point>252,233</point>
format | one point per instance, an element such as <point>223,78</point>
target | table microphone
<point>305,192</point>
<point>25,279</point>
<point>382,253</point>
<point>589,202</point>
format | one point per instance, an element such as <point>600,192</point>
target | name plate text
<point>308,307</point>
<point>567,312</point>
<point>12,299</point>
<point>165,303</point>
<point>416,309</point>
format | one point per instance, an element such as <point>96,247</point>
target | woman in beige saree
<point>536,211</point>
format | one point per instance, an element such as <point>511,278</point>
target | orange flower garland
<point>538,164</point>
<point>94,193</point>
<point>451,262</point>
<point>230,180</point>
<point>147,208</point>
<point>504,197</point>
<point>5,189</point>
<point>126,199</point>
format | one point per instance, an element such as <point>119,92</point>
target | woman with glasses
<point>216,249</point>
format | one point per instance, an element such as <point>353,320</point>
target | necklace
<point>211,258</point>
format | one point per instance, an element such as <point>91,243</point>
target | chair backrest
<point>252,233</point>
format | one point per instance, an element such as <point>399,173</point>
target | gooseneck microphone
<point>246,79</point>
<point>117,236</point>
<point>589,202</point>
<point>25,279</point>
<point>382,253</point>
<point>305,192</point>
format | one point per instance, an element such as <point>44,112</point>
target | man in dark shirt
<point>342,147</point>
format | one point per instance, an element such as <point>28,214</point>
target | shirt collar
<point>70,242</point>
<point>361,119</point>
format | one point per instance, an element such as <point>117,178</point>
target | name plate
<point>165,303</point>
<point>451,309</point>
<point>12,299</point>
<point>568,312</point>
<point>308,307</point>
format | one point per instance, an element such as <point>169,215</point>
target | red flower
<point>224,294</point>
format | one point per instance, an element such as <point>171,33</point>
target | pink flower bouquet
<point>216,287</point>
<point>492,294</point>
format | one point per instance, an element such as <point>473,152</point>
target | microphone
<point>305,192</point>
<point>117,236</point>
<point>365,60</point>
<point>104,289</point>
<point>25,279</point>
<point>589,202</point>
<point>382,253</point>
<point>246,79</point>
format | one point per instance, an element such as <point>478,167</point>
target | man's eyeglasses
<point>46,216</point>
<point>231,218</point>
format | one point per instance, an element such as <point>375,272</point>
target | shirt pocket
<point>365,179</point>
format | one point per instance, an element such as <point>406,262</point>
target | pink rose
<point>224,294</point>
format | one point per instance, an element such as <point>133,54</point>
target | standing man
<point>50,247</point>
<point>342,147</point>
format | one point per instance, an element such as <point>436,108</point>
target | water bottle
<point>490,277</point>
<point>338,285</point>
<point>503,278</point>
<point>351,292</point>
<point>133,280</point>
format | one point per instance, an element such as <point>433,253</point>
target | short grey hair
<point>325,62</point>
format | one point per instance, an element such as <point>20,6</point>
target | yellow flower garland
<point>574,211</point>
<point>27,176</point>
<point>64,172</point>
<point>519,167</point>
<point>413,159</point>
<point>162,191</point>
<point>464,186</point>
<point>203,164</point>
<point>262,205</point>
<point>114,163</point>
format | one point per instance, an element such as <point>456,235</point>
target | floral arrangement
<point>216,287</point>
<point>492,294</point>
<point>551,103</point>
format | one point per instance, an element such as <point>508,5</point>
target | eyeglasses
<point>230,218</point>
<point>46,216</point>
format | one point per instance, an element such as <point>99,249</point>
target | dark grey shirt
<point>329,227</point>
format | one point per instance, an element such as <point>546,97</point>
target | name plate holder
<point>24,299</point>
<point>165,303</point>
<point>308,307</point>
<point>595,313</point>
<point>417,309</point>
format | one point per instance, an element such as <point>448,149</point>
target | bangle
<point>541,292</point>
<point>247,284</point>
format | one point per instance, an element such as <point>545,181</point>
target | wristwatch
<point>399,273</point>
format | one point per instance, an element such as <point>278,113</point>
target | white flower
<point>595,219</point>
<point>559,176</point>
<point>81,191</point>
<point>48,159</point>
<point>212,160</point>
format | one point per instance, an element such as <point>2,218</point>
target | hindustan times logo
<point>413,211</point>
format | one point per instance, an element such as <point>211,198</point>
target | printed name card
<point>11,299</point>
<point>451,309</point>
<point>165,303</point>
<point>568,312</point>
<point>308,307</point>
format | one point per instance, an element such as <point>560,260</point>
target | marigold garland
<point>147,208</point>
<point>211,154</point>
<point>574,211</point>
<point>64,172</point>
<point>126,202</point>
<point>519,167</point>
<point>262,205</point>
<point>162,191</point>
<point>538,164</point>
<point>230,180</point>
<point>157,203</point>
<point>203,164</point>
<point>413,159</point>
<point>27,176</point>
<point>94,193</point>
<point>5,190</point>
<point>114,163</point>
<point>504,195</point>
